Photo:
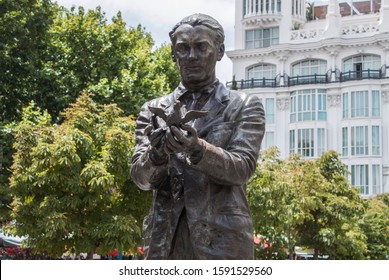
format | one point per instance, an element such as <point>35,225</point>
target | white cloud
<point>158,17</point>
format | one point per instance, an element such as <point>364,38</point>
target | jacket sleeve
<point>144,172</point>
<point>235,163</point>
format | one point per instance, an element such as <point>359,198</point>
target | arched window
<point>309,67</point>
<point>361,66</point>
<point>267,71</point>
<point>311,71</point>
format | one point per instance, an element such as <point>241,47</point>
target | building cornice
<point>380,40</point>
<point>262,20</point>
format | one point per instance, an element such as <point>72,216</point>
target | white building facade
<point>324,82</point>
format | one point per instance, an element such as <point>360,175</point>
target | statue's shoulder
<point>228,94</point>
<point>234,94</point>
<point>243,96</point>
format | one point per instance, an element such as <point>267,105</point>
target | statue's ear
<point>173,53</point>
<point>221,51</point>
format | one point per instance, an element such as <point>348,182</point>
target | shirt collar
<point>181,89</point>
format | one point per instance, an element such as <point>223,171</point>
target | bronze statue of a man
<point>198,170</point>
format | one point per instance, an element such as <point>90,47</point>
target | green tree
<point>24,38</point>
<point>6,152</point>
<point>115,62</point>
<point>306,203</point>
<point>335,229</point>
<point>375,225</point>
<point>70,183</point>
<point>275,206</point>
<point>50,55</point>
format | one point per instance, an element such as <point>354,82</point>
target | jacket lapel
<point>215,106</point>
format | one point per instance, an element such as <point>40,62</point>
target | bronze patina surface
<point>196,161</point>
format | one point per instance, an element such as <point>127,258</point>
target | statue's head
<point>197,44</point>
<point>200,19</point>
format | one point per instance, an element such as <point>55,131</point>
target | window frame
<point>255,38</point>
<point>308,105</point>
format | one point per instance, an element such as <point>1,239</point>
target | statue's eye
<point>203,47</point>
<point>181,48</point>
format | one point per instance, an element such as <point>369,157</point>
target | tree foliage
<point>6,152</point>
<point>332,225</point>
<point>50,54</point>
<point>274,209</point>
<point>71,182</point>
<point>24,38</point>
<point>375,225</point>
<point>308,203</point>
<point>116,63</point>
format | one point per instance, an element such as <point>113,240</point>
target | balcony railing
<point>309,79</point>
<point>361,75</point>
<point>256,83</point>
<point>329,77</point>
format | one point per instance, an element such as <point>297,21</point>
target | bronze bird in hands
<point>178,116</point>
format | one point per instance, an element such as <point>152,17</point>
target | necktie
<point>194,103</point>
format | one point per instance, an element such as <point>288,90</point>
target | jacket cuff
<point>156,157</point>
<point>196,157</point>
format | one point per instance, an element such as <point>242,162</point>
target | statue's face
<point>196,54</point>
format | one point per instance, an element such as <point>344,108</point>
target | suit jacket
<point>212,191</point>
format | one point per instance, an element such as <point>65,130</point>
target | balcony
<point>261,12</point>
<point>329,77</point>
<point>362,75</point>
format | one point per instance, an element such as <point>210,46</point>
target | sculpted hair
<point>200,19</point>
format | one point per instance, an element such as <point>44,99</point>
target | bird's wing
<point>159,112</point>
<point>192,115</point>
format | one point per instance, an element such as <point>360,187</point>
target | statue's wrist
<point>196,154</point>
<point>157,156</point>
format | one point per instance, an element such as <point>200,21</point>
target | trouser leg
<point>181,245</point>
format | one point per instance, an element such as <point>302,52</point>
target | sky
<point>159,16</point>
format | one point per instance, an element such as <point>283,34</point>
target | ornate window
<point>362,62</point>
<point>359,104</point>
<point>308,105</point>
<point>356,104</point>
<point>367,177</point>
<point>360,177</point>
<point>262,38</point>
<point>267,71</point>
<point>309,71</point>
<point>308,142</point>
<point>305,142</point>
<point>361,67</point>
<point>365,140</point>
<point>309,67</point>
<point>359,140</point>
